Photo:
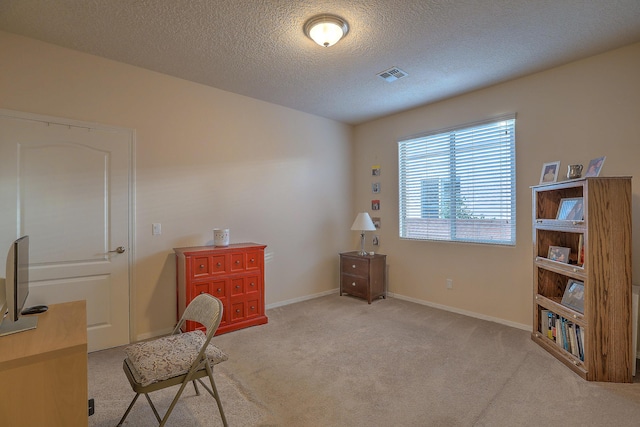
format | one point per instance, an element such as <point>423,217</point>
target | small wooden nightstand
<point>363,276</point>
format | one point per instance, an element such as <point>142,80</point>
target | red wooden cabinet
<point>234,274</point>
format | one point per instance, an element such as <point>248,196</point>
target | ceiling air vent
<point>392,74</point>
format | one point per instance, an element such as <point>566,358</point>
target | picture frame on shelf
<point>594,167</point>
<point>549,172</point>
<point>559,254</point>
<point>574,296</point>
<point>580,260</point>
<point>571,209</point>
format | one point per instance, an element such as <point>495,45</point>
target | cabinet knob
<point>253,308</point>
<point>575,270</point>
<point>252,260</point>
<point>201,265</point>
<point>237,310</point>
<point>218,264</point>
<point>353,284</point>
<point>252,284</point>
<point>237,286</point>
<point>201,292</point>
<point>353,266</point>
<point>219,290</point>
<point>575,316</point>
<point>238,262</point>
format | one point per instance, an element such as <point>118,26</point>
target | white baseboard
<point>463,312</point>
<point>417,301</point>
<point>300,299</point>
<point>389,294</point>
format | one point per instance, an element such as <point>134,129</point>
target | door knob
<point>119,249</point>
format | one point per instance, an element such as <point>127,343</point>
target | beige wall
<point>573,113</point>
<point>205,158</point>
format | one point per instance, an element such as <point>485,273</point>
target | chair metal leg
<point>153,407</point>
<point>216,395</point>
<point>195,385</point>
<point>173,404</point>
<point>128,409</point>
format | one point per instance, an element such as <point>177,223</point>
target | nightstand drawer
<point>355,266</point>
<point>354,285</point>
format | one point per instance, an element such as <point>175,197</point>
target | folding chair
<point>178,358</point>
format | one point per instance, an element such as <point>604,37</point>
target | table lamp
<point>363,223</point>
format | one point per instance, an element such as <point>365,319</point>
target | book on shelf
<point>567,335</point>
<point>545,324</point>
<point>579,340</point>
<point>573,340</point>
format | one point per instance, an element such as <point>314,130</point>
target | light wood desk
<point>43,372</point>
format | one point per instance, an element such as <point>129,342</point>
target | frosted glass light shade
<point>326,30</point>
<point>363,223</point>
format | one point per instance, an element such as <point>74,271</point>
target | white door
<point>66,184</point>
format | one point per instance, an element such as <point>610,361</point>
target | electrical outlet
<point>449,283</point>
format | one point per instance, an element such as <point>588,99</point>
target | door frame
<point>131,225</point>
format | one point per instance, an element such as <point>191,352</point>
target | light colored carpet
<point>338,361</point>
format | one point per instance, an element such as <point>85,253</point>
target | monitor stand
<point>24,323</point>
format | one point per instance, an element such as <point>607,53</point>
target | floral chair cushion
<point>168,357</point>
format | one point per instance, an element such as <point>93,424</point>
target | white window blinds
<point>459,184</point>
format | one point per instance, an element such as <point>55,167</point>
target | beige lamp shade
<point>363,223</point>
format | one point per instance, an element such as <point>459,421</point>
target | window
<point>459,184</point>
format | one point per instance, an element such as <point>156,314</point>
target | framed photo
<point>594,166</point>
<point>376,240</point>
<point>375,205</point>
<point>549,172</point>
<point>571,209</point>
<point>375,187</point>
<point>574,295</point>
<point>376,222</point>
<point>558,253</point>
<point>375,170</point>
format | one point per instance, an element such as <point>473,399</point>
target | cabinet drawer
<point>237,262</point>
<point>354,285</point>
<point>253,260</point>
<point>206,265</point>
<point>245,285</point>
<point>355,266</point>
<point>245,309</point>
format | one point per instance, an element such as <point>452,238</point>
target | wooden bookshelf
<point>605,232</point>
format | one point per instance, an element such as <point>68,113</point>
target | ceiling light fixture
<point>326,30</point>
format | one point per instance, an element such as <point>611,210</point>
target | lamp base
<point>362,251</point>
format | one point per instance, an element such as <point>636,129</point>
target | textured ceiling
<point>257,48</point>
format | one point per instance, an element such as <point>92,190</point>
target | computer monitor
<point>16,289</point>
